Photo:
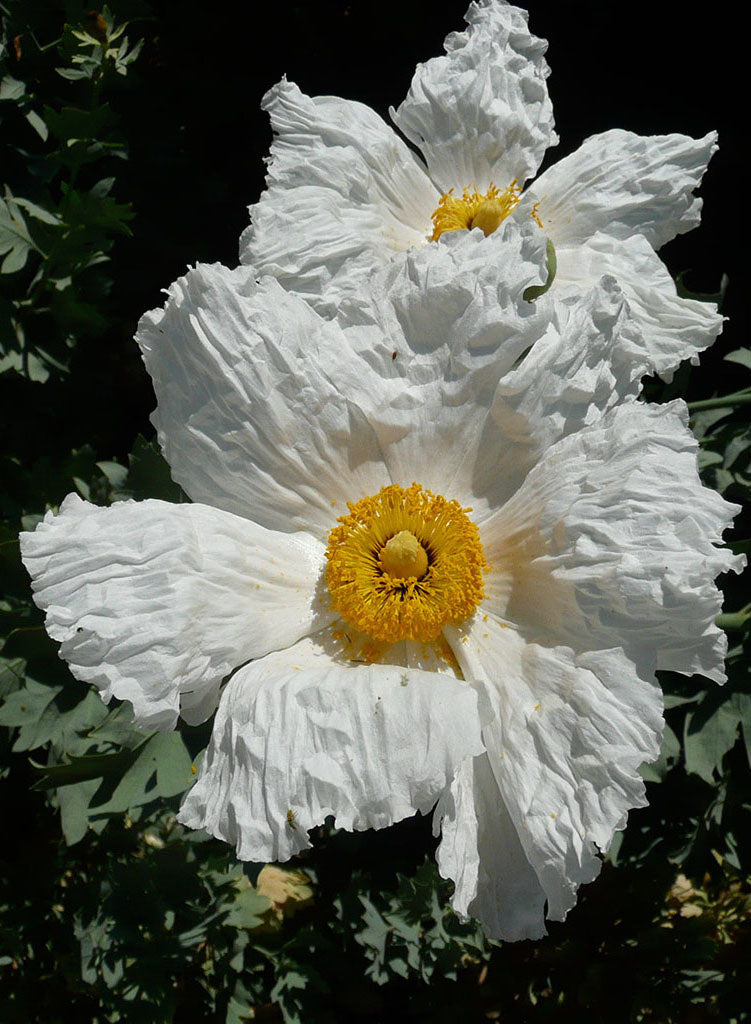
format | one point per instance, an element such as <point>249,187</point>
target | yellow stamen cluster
<point>485,210</point>
<point>404,563</point>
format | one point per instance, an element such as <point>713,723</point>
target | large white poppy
<point>439,548</point>
<point>345,192</point>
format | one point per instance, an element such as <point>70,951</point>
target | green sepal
<point>551,265</point>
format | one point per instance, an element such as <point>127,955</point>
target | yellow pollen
<point>404,563</point>
<point>404,556</point>
<point>485,210</point>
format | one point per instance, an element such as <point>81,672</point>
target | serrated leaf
<point>162,768</point>
<point>117,729</point>
<point>37,211</point>
<point>15,240</point>
<point>670,751</point>
<point>27,709</point>
<point>81,769</point>
<point>149,474</point>
<point>11,675</point>
<point>712,729</point>
<point>59,714</point>
<point>247,909</point>
<point>73,802</point>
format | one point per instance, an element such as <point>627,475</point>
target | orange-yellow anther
<point>404,563</point>
<point>474,209</point>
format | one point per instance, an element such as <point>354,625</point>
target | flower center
<point>404,563</point>
<point>485,210</point>
<point>404,556</point>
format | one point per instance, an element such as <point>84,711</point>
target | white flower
<point>345,192</point>
<point>497,658</point>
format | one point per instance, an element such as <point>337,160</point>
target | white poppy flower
<point>345,192</point>
<point>440,543</point>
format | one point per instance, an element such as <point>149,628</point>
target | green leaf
<point>115,473</point>
<point>174,765</point>
<point>37,211</point>
<point>37,124</point>
<point>31,710</point>
<point>96,209</point>
<point>247,909</point>
<point>73,802</point>
<point>741,356</point>
<point>81,769</point>
<point>149,474</point>
<point>670,752</point>
<point>162,768</point>
<point>11,676</point>
<point>11,88</point>
<point>15,239</point>
<point>712,729</point>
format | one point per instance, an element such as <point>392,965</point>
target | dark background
<point>644,67</point>
<point>190,109</point>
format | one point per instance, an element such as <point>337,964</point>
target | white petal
<point>482,112</point>
<point>610,542</point>
<point>437,332</point>
<point>461,300</point>
<point>565,735</point>
<point>592,360</point>
<point>156,603</point>
<point>480,850</point>
<point>672,328</point>
<point>247,416</point>
<point>623,184</point>
<point>344,193</point>
<point>304,732</point>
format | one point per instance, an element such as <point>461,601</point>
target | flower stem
<point>737,398</point>
<point>734,621</point>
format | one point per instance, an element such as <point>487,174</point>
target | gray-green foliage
<point>58,216</point>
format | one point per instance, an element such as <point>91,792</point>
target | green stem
<point>734,621</point>
<point>737,398</point>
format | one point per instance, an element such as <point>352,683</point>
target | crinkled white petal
<point>247,416</point>
<point>301,735</point>
<point>461,301</point>
<point>344,194</point>
<point>435,335</point>
<point>480,851</point>
<point>582,366</point>
<point>481,113</point>
<point>622,184</point>
<point>610,541</point>
<point>565,734</point>
<point>156,603</point>
<point>672,328</point>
